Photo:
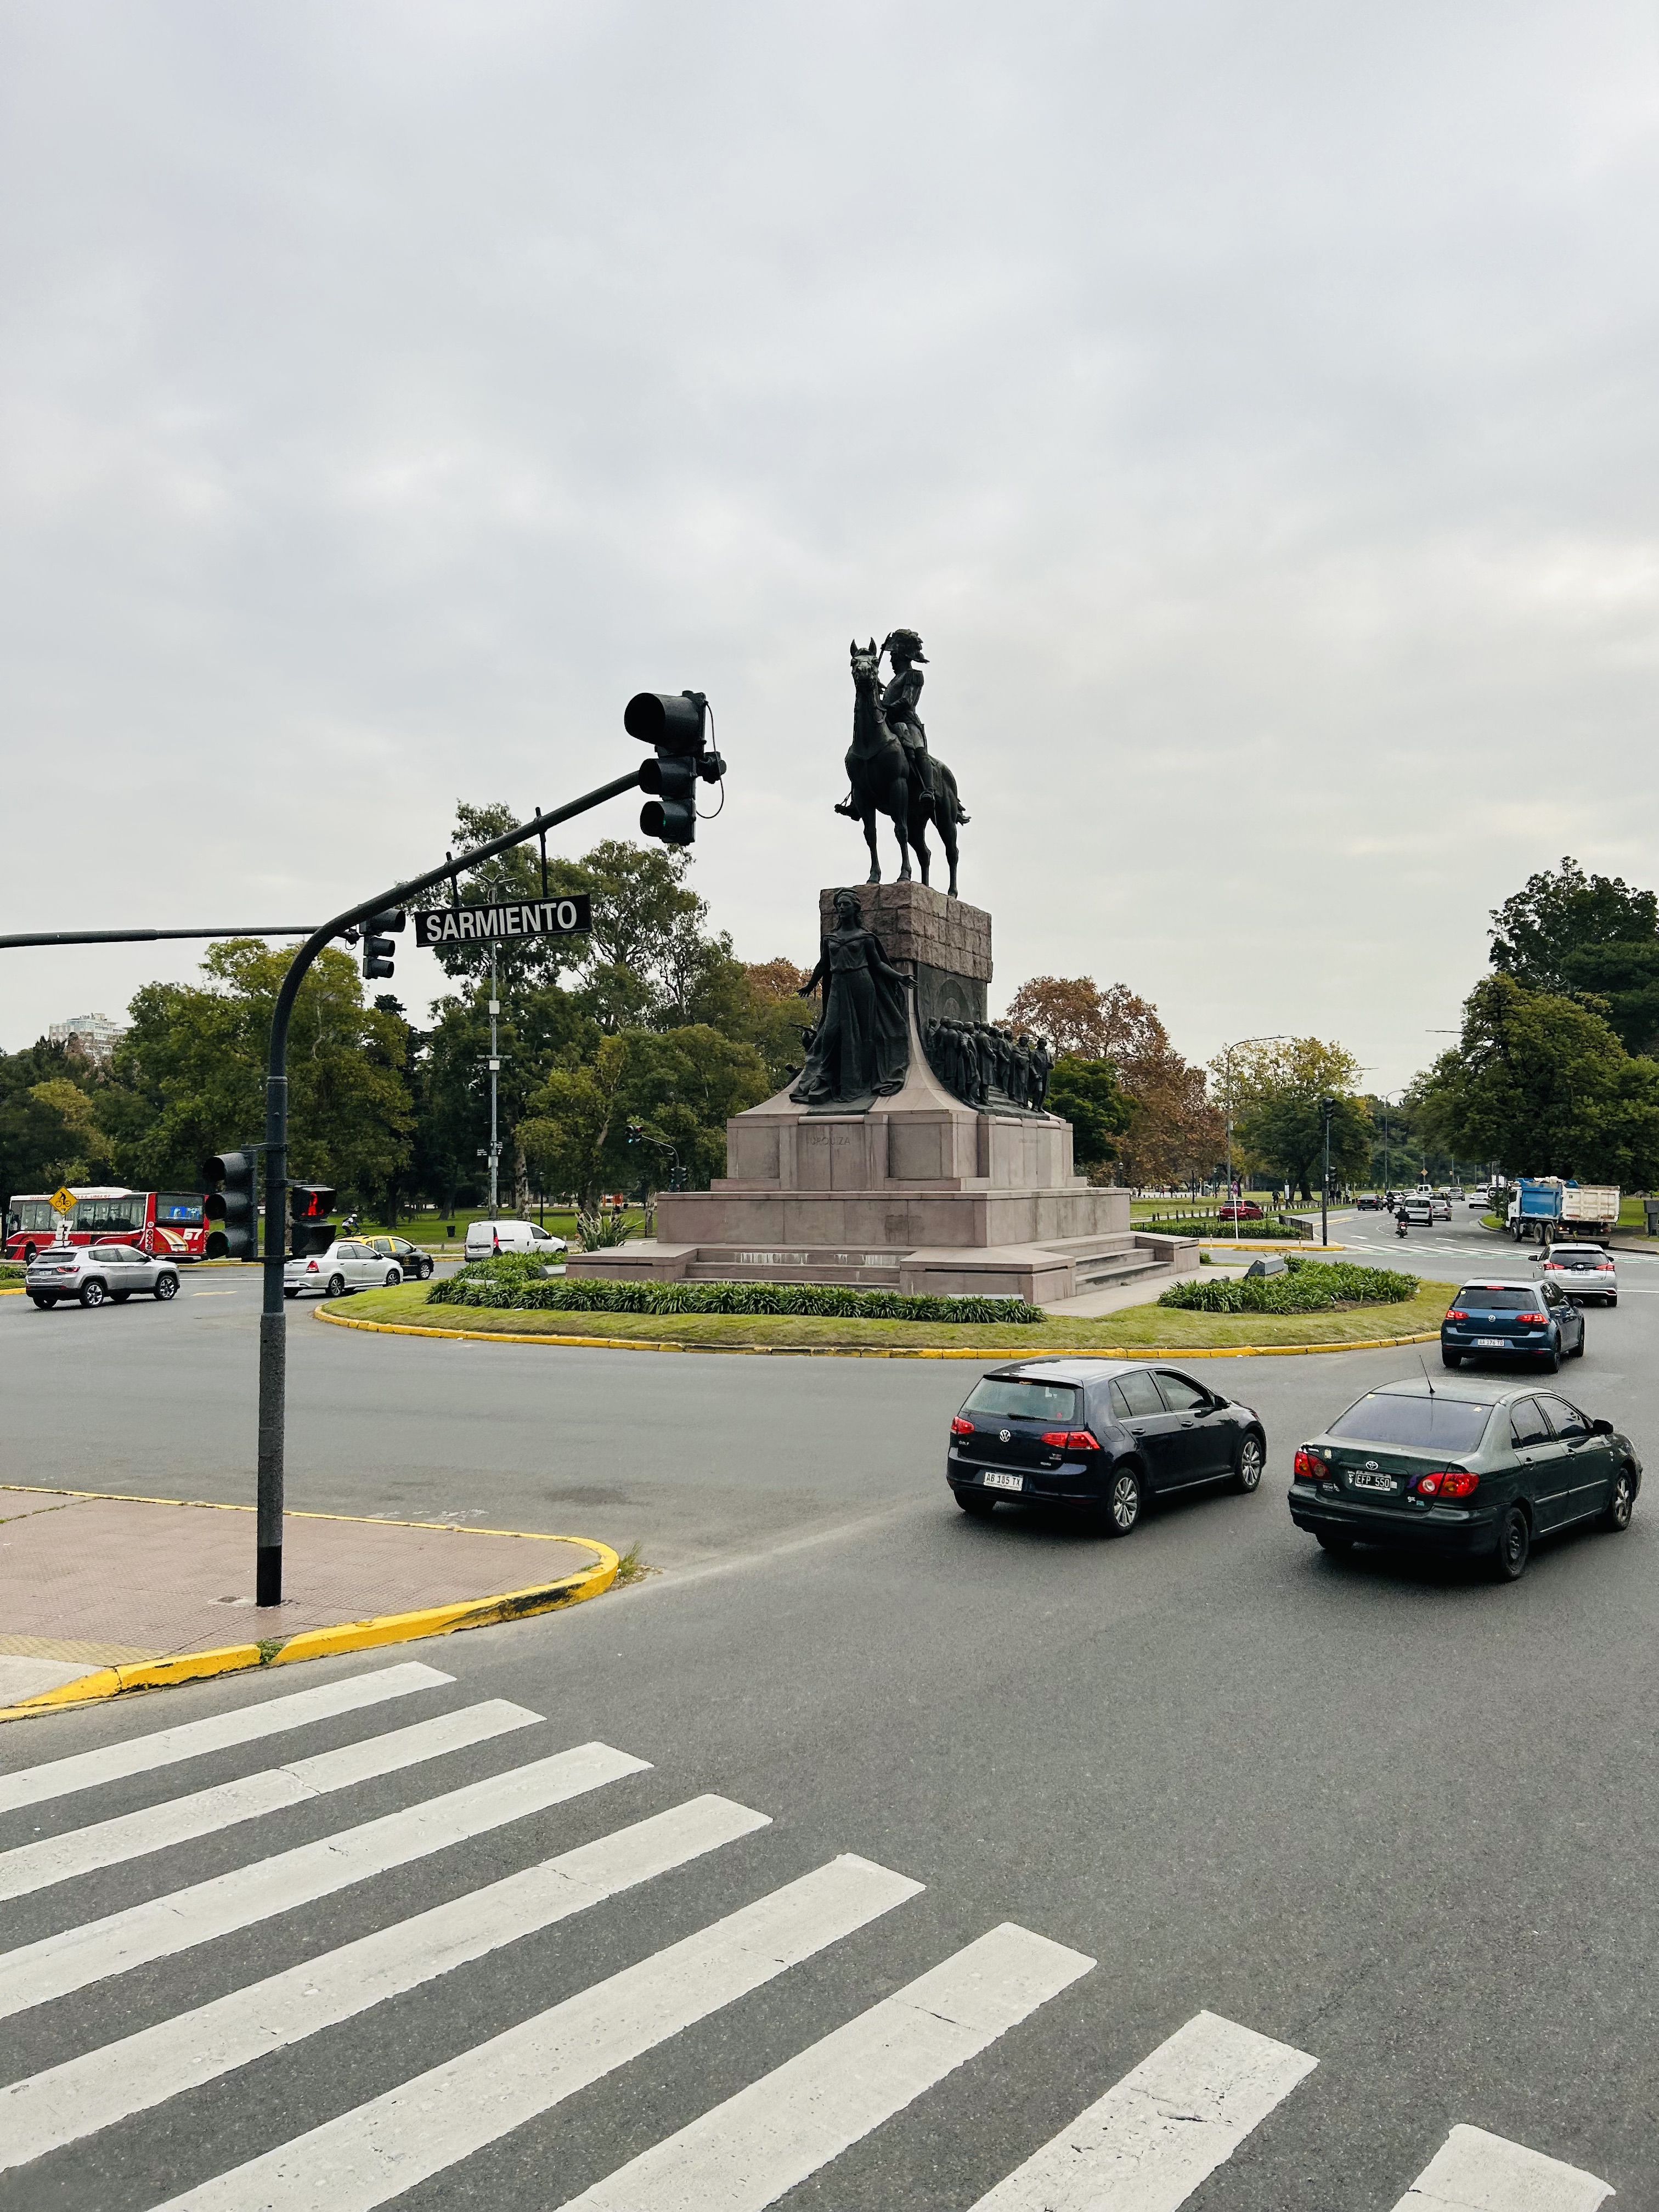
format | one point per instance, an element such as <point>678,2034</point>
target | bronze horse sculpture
<point>910,786</point>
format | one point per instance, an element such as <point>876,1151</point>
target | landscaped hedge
<point>1286,1225</point>
<point>518,1283</point>
<point>1306,1286</point>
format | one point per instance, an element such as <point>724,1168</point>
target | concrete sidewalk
<point>90,1583</point>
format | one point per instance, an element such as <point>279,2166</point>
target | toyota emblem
<point>1003,1436</point>
<point>1370,1467</point>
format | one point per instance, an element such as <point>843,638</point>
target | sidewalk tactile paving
<point>113,1580</point>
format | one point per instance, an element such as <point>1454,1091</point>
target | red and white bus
<point>167,1224</point>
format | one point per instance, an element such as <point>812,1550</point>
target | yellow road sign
<point>62,1201</point>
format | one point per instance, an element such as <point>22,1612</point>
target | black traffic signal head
<point>235,1208</point>
<point>378,950</point>
<point>1327,1111</point>
<point>672,724</point>
<point>309,1231</point>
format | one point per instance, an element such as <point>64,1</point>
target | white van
<point>485,1238</point>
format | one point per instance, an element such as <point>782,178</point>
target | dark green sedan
<point>1470,1469</point>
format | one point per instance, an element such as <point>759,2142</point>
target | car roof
<point>1499,1283</point>
<point>1469,1390</point>
<point>1067,1371</point>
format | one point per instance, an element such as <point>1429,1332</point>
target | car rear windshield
<point>1498,1297</point>
<point>1028,1401</point>
<point>1590,1252</point>
<point>1440,1422</point>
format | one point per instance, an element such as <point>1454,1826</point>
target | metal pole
<point>1325,1188</point>
<point>273,1320</point>
<point>494,1092</point>
<point>148,936</point>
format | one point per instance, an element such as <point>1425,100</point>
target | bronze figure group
<point>990,1067</point>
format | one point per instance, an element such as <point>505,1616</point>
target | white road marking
<point>1161,2130</point>
<point>1473,2172</point>
<point>131,1835</point>
<point>94,2091</point>
<point>381,2149</point>
<point>748,2152</point>
<point>165,1925</point>
<point>142,1754</point>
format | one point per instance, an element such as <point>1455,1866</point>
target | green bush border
<point>516,1282</point>
<point>1305,1286</point>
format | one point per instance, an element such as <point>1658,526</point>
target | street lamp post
<point>1279,1037</point>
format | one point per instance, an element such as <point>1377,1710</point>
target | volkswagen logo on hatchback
<point>1003,1435</point>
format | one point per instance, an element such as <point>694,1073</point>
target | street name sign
<point>570,916</point>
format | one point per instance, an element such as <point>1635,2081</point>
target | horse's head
<point>865,663</point>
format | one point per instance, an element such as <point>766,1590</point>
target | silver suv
<point>93,1273</point>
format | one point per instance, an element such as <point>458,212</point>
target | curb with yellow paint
<point>330,1643</point>
<point>986,1353</point>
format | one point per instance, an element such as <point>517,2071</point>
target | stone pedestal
<point>916,1192</point>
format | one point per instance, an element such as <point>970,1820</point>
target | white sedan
<point>349,1264</point>
<point>1583,1271</point>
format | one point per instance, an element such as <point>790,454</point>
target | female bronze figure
<point>862,1047</point>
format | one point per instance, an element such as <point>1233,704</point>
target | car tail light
<point>1456,1313</point>
<point>311,1268</point>
<point>1447,1482</point>
<point>1308,1466</point>
<point>961,1428</point>
<point>1070,1440</point>
<point>1536,1319</point>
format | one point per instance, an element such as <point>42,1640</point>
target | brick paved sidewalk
<point>92,1582</point>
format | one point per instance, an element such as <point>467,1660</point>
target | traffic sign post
<point>62,1201</point>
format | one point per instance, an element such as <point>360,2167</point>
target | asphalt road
<point>1400,1823</point>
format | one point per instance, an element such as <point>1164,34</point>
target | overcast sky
<point>1251,403</point>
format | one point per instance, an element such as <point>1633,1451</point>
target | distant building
<point>93,1036</point>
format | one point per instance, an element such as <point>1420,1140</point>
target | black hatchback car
<point>1476,1469</point>
<point>1518,1320</point>
<point>1100,1436</point>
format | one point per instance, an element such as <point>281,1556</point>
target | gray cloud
<point>1251,405</point>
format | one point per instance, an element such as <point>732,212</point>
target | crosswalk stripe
<point>379,2149</point>
<point>180,1820</point>
<point>47,2110</point>
<point>141,1754</point>
<point>746,2153</point>
<point>1161,2130</point>
<point>36,1973</point>
<point>1473,2172</point>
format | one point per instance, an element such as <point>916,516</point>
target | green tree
<point>1283,1133</point>
<point>1088,1094</point>
<point>51,1129</point>
<point>1540,1084</point>
<point>1587,936</point>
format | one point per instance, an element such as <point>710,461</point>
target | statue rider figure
<point>898,702</point>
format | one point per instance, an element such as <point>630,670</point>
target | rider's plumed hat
<point>908,640</point>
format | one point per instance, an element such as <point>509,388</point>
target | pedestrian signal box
<point>310,1230</point>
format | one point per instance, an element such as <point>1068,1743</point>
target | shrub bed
<point>10,1273</point>
<point>517,1282</point>
<point>1211,1224</point>
<point>1306,1286</point>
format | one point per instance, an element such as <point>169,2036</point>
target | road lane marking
<point>180,1820</point>
<point>142,1754</point>
<point>1163,2129</point>
<point>747,2153</point>
<point>1473,2172</point>
<point>380,2149</point>
<point>66,2102</point>
<point>166,1925</point>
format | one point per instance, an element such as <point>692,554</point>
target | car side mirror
<point>1600,1428</point>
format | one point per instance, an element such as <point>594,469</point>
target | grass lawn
<point>432,1229</point>
<point>1133,1328</point>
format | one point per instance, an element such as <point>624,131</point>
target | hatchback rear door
<point>1010,1416</point>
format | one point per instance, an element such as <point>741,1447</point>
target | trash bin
<point>1650,1207</point>
<point>1273,1265</point>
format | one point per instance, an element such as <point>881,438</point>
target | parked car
<point>351,1263</point>
<point>1098,1436</point>
<point>485,1238</point>
<point>1583,1271</point>
<point>416,1264</point>
<point>93,1272</point>
<point>1238,1210</point>
<point>1480,1473</point>
<point>1517,1320</point>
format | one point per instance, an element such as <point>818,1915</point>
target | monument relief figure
<point>889,766</point>
<point>861,1047</point>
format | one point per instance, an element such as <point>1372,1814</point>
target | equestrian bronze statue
<point>889,765</point>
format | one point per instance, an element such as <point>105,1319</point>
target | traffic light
<point>378,951</point>
<point>236,1206</point>
<point>309,1231</point>
<point>1326,1111</point>
<point>672,724</point>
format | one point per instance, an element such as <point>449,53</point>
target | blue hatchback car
<point>1524,1320</point>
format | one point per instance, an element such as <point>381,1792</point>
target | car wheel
<point>28,1255</point>
<point>1509,1561</point>
<point>1450,1358</point>
<point>1123,1509</point>
<point>1328,1540</point>
<point>1246,1463</point>
<point>92,1293</point>
<point>977,1507</point>
<point>1621,1500</point>
<point>1613,1301</point>
<point>1578,1352</point>
<point>393,1277</point>
<point>119,1298</point>
<point>291,1294</point>
<point>1550,1361</point>
<point>336,1287</point>
<point>166,1286</point>
<point>426,1272</point>
<point>39,1298</point>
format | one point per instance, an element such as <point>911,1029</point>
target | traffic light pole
<point>273,1324</point>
